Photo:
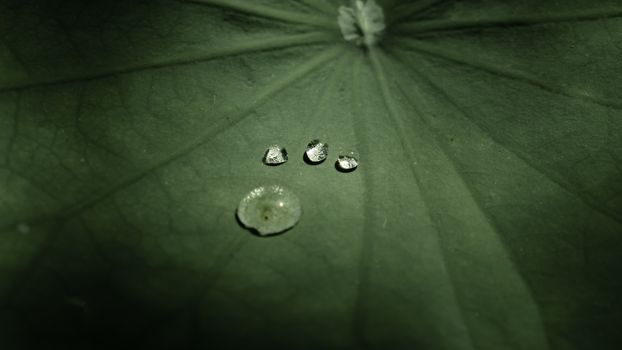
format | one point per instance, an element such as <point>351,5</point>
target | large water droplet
<point>347,163</point>
<point>269,210</point>
<point>275,155</point>
<point>316,151</point>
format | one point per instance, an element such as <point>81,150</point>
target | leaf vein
<point>527,20</point>
<point>256,45</point>
<point>524,157</point>
<point>494,69</point>
<point>399,126</point>
<point>269,12</point>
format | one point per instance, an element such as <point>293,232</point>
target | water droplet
<point>275,155</point>
<point>269,210</point>
<point>316,151</point>
<point>347,163</point>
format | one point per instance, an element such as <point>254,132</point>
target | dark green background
<point>486,213</point>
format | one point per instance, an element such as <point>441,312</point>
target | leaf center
<point>362,22</point>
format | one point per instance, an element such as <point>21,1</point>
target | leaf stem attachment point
<point>362,22</point>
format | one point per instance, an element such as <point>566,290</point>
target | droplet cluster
<point>268,210</point>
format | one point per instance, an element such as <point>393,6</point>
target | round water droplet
<point>269,210</point>
<point>346,163</point>
<point>316,151</point>
<point>275,155</point>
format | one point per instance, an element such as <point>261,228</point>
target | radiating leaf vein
<point>523,156</point>
<point>263,44</point>
<point>400,127</point>
<point>253,8</point>
<point>506,72</point>
<point>412,10</point>
<point>321,6</point>
<point>527,20</point>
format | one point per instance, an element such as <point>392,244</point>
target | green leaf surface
<point>486,212</point>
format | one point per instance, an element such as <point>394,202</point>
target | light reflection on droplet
<point>275,155</point>
<point>347,163</point>
<point>316,151</point>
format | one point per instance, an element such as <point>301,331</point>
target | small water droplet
<point>316,151</point>
<point>346,163</point>
<point>269,210</point>
<point>23,228</point>
<point>275,155</point>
